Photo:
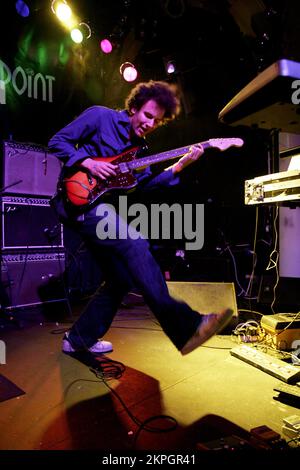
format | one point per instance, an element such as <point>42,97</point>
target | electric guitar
<point>82,188</point>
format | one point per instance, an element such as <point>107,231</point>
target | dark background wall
<point>218,47</point>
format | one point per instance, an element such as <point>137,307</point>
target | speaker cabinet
<point>32,278</point>
<point>205,297</point>
<point>29,169</point>
<point>29,223</point>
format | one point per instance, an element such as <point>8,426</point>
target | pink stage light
<point>106,46</point>
<point>171,68</point>
<point>128,72</point>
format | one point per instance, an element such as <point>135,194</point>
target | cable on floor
<point>109,369</point>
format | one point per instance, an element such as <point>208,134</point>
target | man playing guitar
<point>96,149</point>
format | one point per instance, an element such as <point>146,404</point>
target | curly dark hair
<point>164,94</point>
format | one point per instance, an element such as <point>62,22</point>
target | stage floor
<point>208,393</point>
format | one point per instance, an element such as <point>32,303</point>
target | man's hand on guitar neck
<point>102,170</point>
<point>194,153</point>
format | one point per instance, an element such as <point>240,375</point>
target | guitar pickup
<point>123,167</point>
<point>90,178</point>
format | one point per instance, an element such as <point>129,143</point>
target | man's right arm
<point>75,143</point>
<point>102,170</point>
<point>68,143</point>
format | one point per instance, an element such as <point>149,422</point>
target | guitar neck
<point>161,157</point>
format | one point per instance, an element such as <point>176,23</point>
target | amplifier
<point>275,187</point>
<point>205,297</point>
<point>32,278</point>
<point>29,223</point>
<point>279,321</point>
<point>29,169</point>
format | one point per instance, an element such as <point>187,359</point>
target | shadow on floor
<point>117,419</point>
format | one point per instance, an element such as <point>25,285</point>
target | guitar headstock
<point>224,144</point>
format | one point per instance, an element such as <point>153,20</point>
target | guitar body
<point>83,189</point>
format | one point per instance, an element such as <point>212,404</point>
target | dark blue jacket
<point>103,132</point>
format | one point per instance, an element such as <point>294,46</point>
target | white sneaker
<point>98,348</point>
<point>210,325</point>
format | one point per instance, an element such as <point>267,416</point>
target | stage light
<point>128,72</point>
<point>22,8</point>
<point>76,35</point>
<point>62,10</point>
<point>82,31</point>
<point>170,67</point>
<point>116,36</point>
<point>106,46</point>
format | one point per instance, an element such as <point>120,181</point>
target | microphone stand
<point>3,296</point>
<point>4,302</point>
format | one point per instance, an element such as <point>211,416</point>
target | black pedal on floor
<point>225,443</point>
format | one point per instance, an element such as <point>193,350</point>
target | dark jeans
<point>127,262</point>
